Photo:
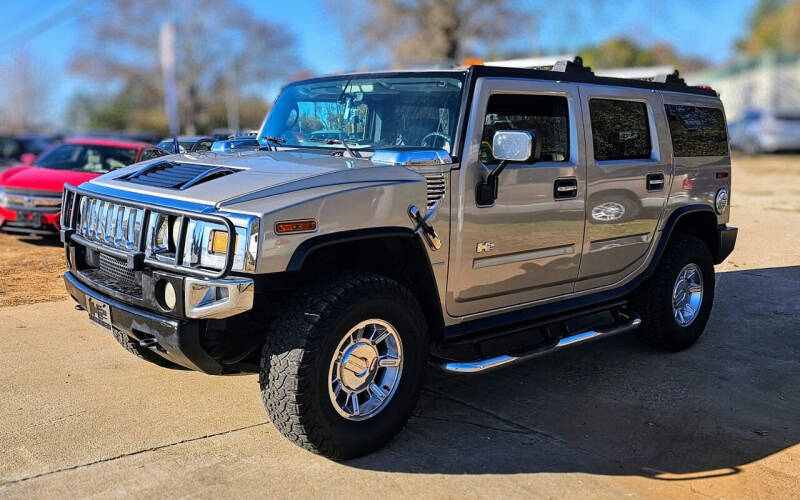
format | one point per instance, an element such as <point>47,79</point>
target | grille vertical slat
<point>110,223</point>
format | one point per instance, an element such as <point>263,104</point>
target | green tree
<point>623,52</point>
<point>774,26</point>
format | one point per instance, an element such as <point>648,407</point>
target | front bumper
<point>176,340</point>
<point>31,222</point>
<point>727,242</point>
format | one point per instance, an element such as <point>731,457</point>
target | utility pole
<point>167,51</point>
<point>232,101</point>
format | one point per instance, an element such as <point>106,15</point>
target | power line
<point>62,14</point>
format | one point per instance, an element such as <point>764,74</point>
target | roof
<point>115,143</point>
<point>576,72</point>
<point>565,71</point>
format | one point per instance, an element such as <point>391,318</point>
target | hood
<point>262,173</point>
<point>45,179</point>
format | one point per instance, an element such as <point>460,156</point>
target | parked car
<point>235,144</point>
<point>339,278</point>
<point>764,131</point>
<point>187,144</point>
<point>23,149</point>
<point>30,195</point>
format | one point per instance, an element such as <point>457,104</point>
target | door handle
<point>655,182</point>
<point>565,188</point>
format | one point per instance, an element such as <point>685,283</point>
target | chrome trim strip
<point>411,157</point>
<point>619,242</point>
<point>485,365</point>
<point>521,257</point>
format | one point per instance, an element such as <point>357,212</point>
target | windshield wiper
<point>275,140</point>
<point>354,154</point>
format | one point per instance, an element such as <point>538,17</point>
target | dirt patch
<point>30,270</point>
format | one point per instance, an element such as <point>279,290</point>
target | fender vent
<point>173,175</point>
<point>436,188</point>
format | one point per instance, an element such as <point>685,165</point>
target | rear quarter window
<point>697,131</point>
<point>620,129</point>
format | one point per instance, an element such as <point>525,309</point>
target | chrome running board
<point>485,365</point>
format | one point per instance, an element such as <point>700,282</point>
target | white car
<point>762,131</point>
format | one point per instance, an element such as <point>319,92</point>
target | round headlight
<point>176,228</point>
<point>162,233</point>
<point>721,201</point>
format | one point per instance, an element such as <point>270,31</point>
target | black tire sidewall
<point>382,427</point>
<point>661,320</point>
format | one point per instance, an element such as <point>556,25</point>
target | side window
<point>620,130</point>
<point>548,115</point>
<point>149,154</point>
<point>697,131</point>
<point>204,146</point>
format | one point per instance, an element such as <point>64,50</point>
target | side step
<point>485,365</point>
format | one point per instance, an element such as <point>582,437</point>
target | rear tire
<point>675,303</point>
<point>363,330</point>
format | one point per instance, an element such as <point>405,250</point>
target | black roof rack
<point>575,71</point>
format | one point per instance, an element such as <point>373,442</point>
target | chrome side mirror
<point>513,145</point>
<point>508,146</point>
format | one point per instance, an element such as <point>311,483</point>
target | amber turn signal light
<point>219,241</point>
<point>296,226</point>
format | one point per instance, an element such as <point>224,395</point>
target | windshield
<point>87,158</point>
<point>368,112</point>
<point>170,146</point>
<point>233,144</point>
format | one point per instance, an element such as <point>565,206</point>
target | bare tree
<point>431,30</point>
<point>25,92</point>
<point>220,44</point>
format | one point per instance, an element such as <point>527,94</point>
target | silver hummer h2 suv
<point>467,219</point>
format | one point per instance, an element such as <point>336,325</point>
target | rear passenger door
<point>628,171</point>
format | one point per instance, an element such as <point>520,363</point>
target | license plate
<point>99,313</point>
<point>30,218</point>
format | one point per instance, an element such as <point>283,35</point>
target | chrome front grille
<point>436,188</point>
<point>40,201</point>
<point>110,223</point>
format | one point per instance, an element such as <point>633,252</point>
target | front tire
<point>675,303</point>
<point>343,366</point>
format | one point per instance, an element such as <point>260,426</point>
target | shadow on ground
<point>41,241</point>
<point>613,407</point>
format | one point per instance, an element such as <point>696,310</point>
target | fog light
<point>165,294</point>
<point>721,201</point>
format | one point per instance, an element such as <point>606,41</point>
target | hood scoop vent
<point>173,175</point>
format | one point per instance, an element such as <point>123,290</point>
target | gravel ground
<point>30,270</point>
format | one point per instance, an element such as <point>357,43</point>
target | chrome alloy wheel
<point>687,294</point>
<point>365,370</point>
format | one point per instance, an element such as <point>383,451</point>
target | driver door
<point>527,246</point>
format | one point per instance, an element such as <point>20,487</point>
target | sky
<point>704,28</point>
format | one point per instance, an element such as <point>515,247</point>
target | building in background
<point>770,83</point>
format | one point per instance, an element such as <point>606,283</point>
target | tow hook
<point>149,343</point>
<point>429,234</point>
